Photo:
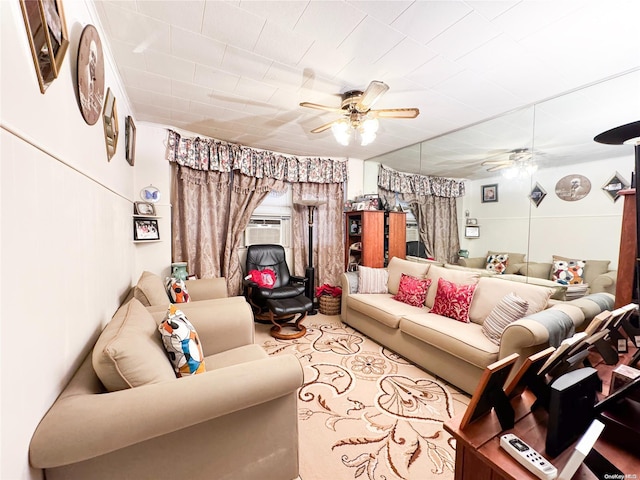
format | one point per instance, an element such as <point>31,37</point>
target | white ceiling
<point>237,70</point>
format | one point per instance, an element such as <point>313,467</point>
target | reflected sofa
<point>125,415</point>
<point>452,350</point>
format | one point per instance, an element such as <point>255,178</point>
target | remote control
<point>528,457</point>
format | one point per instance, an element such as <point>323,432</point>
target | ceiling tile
<point>281,44</point>
<point>188,16</point>
<point>370,40</point>
<point>434,71</point>
<point>324,59</point>
<point>423,21</point>
<point>385,12</point>
<point>221,21</point>
<point>406,57</point>
<point>195,47</point>
<point>464,36</point>
<point>245,64</point>
<point>285,14</point>
<point>254,90</point>
<point>330,22</point>
<point>150,81</point>
<point>140,30</point>
<point>168,65</point>
<point>215,79</point>
<point>492,9</point>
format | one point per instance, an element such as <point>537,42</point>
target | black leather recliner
<point>286,299</point>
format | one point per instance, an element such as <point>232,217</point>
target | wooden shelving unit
<point>381,235</point>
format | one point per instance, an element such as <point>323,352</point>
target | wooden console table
<point>480,457</point>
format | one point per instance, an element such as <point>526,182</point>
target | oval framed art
<point>571,188</point>
<point>90,75</point>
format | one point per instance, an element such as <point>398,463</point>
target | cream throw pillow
<point>509,309</point>
<point>372,280</point>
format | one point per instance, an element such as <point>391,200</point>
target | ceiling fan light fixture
<point>342,132</point>
<point>370,126</point>
<point>366,138</point>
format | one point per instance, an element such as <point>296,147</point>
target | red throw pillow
<point>412,290</point>
<point>265,278</point>
<point>453,300</point>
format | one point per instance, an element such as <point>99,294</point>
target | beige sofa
<point>597,275</point>
<point>455,351</point>
<point>238,420</point>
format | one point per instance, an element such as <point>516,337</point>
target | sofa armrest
<point>221,323</point>
<point>604,283</point>
<point>80,426</point>
<point>207,288</point>
<point>474,262</point>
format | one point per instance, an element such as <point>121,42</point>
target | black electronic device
<point>571,407</point>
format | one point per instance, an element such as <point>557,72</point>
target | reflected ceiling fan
<point>517,162</point>
<point>357,114</point>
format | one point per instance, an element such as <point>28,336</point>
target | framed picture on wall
<point>145,229</point>
<point>472,231</point>
<point>537,194</point>
<point>490,193</point>
<point>614,185</point>
<point>48,38</point>
<point>130,140</point>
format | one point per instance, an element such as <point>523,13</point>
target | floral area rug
<point>364,412</point>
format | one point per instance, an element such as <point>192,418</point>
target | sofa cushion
<point>412,290</point>
<point>129,351</point>
<point>513,256</point>
<point>497,263</point>
<point>461,277</point>
<point>559,291</point>
<point>177,291</point>
<point>594,268</point>
<point>381,307</point>
<point>372,280</point>
<point>567,270</point>
<point>181,343</point>
<point>150,290</point>
<point>398,266</point>
<point>535,269</point>
<point>465,341</point>
<point>453,300</point>
<point>491,290</point>
<point>509,309</point>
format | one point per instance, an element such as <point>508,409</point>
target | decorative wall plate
<point>90,75</point>
<point>573,187</point>
<point>150,194</point>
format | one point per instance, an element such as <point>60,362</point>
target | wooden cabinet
<point>374,236</point>
<point>626,280</point>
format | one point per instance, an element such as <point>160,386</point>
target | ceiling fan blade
<point>496,162</point>
<point>322,128</point>
<point>498,167</point>
<point>321,107</point>
<point>371,95</point>
<point>396,113</point>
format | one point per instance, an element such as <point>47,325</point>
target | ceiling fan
<point>518,162</point>
<point>357,114</point>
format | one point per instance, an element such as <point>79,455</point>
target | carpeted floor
<point>364,412</point>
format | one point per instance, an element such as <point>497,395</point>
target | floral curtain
<point>199,222</point>
<point>247,194</point>
<point>433,202</point>
<point>328,245</point>
<point>208,222</point>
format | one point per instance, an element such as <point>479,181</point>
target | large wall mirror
<point>527,155</point>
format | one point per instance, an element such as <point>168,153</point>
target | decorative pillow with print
<point>497,262</point>
<point>453,300</point>
<point>567,271</point>
<point>509,309</point>
<point>177,291</point>
<point>412,290</point>
<point>182,344</point>
<point>265,278</point>
<point>372,280</point>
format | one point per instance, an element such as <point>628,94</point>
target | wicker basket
<point>329,305</point>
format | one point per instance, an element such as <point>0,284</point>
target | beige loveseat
<point>125,415</point>
<point>455,351</point>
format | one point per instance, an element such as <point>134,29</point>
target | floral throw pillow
<point>453,300</point>
<point>181,343</point>
<point>568,271</point>
<point>497,263</point>
<point>412,290</point>
<point>265,278</point>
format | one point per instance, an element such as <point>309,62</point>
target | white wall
<point>67,256</point>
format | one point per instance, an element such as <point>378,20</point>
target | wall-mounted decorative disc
<point>90,75</point>
<point>573,187</point>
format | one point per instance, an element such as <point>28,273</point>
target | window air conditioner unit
<point>268,230</point>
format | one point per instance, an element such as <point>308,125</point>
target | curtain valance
<point>215,155</point>
<point>420,185</point>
